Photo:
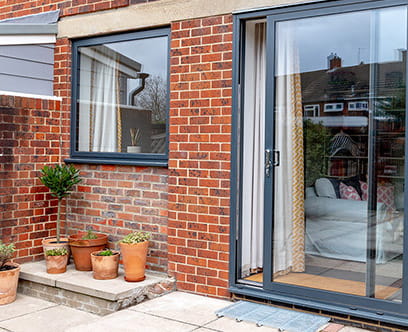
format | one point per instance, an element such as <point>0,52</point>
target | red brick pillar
<point>199,154</point>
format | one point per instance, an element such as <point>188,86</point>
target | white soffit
<point>27,39</point>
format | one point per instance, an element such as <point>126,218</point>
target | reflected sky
<point>352,36</point>
<point>150,52</point>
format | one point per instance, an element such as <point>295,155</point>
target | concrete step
<point>79,290</point>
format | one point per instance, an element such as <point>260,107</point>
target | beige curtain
<point>289,227</point>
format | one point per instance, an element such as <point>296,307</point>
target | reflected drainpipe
<point>140,76</point>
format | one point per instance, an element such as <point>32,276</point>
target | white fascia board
<point>27,39</point>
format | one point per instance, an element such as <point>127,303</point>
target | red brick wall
<point>30,132</point>
<point>117,200</point>
<point>18,8</point>
<point>199,160</point>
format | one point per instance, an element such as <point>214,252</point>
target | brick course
<point>17,8</point>
<point>199,157</point>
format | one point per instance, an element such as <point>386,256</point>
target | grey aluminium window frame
<point>142,159</point>
<point>363,307</point>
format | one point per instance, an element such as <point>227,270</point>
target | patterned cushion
<point>349,192</point>
<point>385,194</point>
<point>364,190</point>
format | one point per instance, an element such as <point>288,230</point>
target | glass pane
<point>122,102</point>
<point>339,131</point>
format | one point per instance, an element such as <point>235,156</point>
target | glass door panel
<point>339,133</point>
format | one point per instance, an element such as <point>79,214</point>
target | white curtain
<point>289,200</point>
<point>253,149</point>
<point>105,101</point>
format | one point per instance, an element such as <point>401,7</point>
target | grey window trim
<point>140,159</point>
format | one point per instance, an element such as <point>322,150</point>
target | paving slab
<point>229,324</point>
<point>55,319</point>
<point>131,321</point>
<point>83,282</point>
<point>23,305</point>
<point>190,308</point>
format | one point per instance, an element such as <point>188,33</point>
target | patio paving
<point>174,312</point>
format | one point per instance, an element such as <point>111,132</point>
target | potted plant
<point>83,244</point>
<point>105,264</point>
<point>60,179</point>
<point>9,273</point>
<point>56,260</point>
<point>135,136</point>
<point>134,252</point>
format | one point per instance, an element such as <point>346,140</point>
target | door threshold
<point>338,312</point>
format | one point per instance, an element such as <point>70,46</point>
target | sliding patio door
<point>323,155</point>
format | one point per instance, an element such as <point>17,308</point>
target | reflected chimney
<point>334,61</point>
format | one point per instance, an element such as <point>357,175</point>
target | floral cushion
<point>349,192</point>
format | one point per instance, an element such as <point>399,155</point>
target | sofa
<point>337,228</point>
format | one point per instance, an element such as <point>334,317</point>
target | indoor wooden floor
<point>329,284</point>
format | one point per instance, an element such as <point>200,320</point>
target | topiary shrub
<point>60,179</point>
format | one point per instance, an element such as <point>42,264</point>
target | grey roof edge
<point>28,29</point>
<point>41,18</point>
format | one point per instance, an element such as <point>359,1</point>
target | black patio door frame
<point>364,307</point>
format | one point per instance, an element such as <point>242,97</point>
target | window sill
<point>127,162</point>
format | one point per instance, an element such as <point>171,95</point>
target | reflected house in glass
<point>340,98</point>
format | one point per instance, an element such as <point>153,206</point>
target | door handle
<point>268,162</point>
<point>276,158</point>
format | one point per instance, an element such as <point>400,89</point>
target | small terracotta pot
<point>105,267</point>
<point>56,264</point>
<point>50,243</point>
<point>82,249</point>
<point>8,284</point>
<point>134,260</point>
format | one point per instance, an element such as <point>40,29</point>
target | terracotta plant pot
<point>81,249</point>
<point>8,283</point>
<point>56,264</point>
<point>134,260</point>
<point>105,267</point>
<point>50,243</point>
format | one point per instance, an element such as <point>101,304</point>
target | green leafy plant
<point>56,252</point>
<point>106,252</point>
<point>90,235</point>
<point>136,237</point>
<point>60,179</point>
<point>6,253</point>
<point>316,145</point>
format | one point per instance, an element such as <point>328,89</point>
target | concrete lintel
<point>157,13</point>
